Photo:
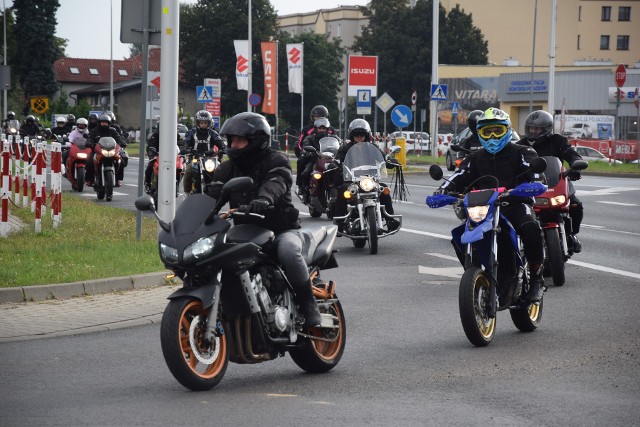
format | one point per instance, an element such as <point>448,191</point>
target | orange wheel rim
<point>328,350</point>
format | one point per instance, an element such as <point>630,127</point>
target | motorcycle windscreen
<point>553,171</point>
<point>363,159</point>
<point>329,145</point>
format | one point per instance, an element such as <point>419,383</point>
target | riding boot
<point>307,303</point>
<point>577,246</point>
<point>536,286</point>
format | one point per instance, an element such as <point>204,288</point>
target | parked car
<point>182,130</point>
<point>592,155</point>
<point>451,156</point>
<point>578,130</point>
<point>416,141</point>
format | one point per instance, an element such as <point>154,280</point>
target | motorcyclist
<point>93,121</point>
<point>79,133</point>
<point>114,125</point>
<point>203,131</point>
<point>10,116</point>
<point>61,128</point>
<point>32,127</point>
<point>538,130</point>
<point>316,112</point>
<point>508,163</point>
<point>71,122</point>
<point>360,132</point>
<point>153,150</point>
<point>250,155</point>
<point>305,162</point>
<point>104,129</point>
<point>472,143</point>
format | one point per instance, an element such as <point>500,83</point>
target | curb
<point>83,288</point>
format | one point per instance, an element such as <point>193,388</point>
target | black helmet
<point>203,116</point>
<point>93,117</point>
<point>319,111</point>
<point>252,126</point>
<point>472,120</point>
<point>11,115</point>
<point>360,127</point>
<point>104,118</point>
<point>71,119</point>
<point>31,119</point>
<point>111,116</point>
<point>538,125</point>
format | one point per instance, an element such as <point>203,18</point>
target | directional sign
<point>204,94</point>
<point>384,102</point>
<point>438,92</point>
<point>363,101</point>
<point>401,116</point>
<point>454,109</point>
<point>621,75</point>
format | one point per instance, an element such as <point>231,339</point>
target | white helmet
<point>61,120</point>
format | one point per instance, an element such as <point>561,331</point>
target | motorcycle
<point>106,162</point>
<point>236,303</point>
<point>12,128</point>
<point>322,190</point>
<point>484,234</point>
<point>75,167</point>
<point>552,211</point>
<point>154,157</point>
<point>203,163</point>
<point>362,169</point>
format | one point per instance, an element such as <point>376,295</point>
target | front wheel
<point>555,255</point>
<point>314,213</point>
<point>474,300</point>
<point>79,179</point>
<point>195,362</point>
<point>449,161</point>
<point>323,354</point>
<point>372,229</point>
<point>108,185</point>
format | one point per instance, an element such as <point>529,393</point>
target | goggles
<point>493,131</point>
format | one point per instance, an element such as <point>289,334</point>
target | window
<point>93,71</point>
<point>604,42</point>
<point>624,13</point>
<point>74,70</point>
<point>123,73</point>
<point>606,13</point>
<point>623,43</point>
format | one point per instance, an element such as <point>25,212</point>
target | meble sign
<point>363,74</point>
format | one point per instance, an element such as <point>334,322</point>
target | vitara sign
<point>363,74</point>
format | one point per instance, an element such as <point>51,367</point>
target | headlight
<point>168,253</point>
<point>558,200</point>
<point>13,130</point>
<point>541,201</point>
<point>82,155</point>
<point>199,249</point>
<point>109,153</point>
<point>317,175</point>
<point>477,213</point>
<point>210,165</point>
<point>367,184</point>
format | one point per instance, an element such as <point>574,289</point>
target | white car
<point>182,130</point>
<point>592,155</point>
<point>415,141</point>
<point>579,130</point>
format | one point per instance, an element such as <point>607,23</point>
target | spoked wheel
<point>372,229</point>
<point>556,257</point>
<point>323,354</point>
<point>196,363</point>
<point>527,317</point>
<point>79,179</point>
<point>108,185</point>
<point>474,301</point>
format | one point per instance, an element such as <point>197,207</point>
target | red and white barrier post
<point>25,171</point>
<point>36,205</point>
<point>56,183</point>
<point>286,142</point>
<point>6,188</point>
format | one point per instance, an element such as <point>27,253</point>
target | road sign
<point>401,116</point>
<point>384,102</point>
<point>204,94</point>
<point>40,104</point>
<point>216,86</point>
<point>363,101</point>
<point>621,75</point>
<point>438,92</point>
<point>255,99</point>
<point>454,109</point>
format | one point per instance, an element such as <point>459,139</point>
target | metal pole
<point>4,16</point>
<point>277,90</point>
<point>433,105</point>
<point>533,55</point>
<point>250,62</point>
<point>302,92</point>
<point>111,56</point>
<point>552,60</point>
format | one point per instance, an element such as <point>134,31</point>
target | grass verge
<point>91,242</point>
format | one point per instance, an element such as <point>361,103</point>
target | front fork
<point>214,328</point>
<point>362,207</point>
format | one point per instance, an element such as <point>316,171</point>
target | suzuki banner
<point>270,65</point>
<point>295,66</point>
<point>242,63</point>
<point>363,74</point>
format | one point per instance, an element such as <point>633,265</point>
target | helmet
<point>11,115</point>
<point>494,130</point>
<point>93,117</point>
<point>359,127</point>
<point>82,122</point>
<point>319,111</point>
<point>322,121</point>
<point>71,118</point>
<point>104,118</point>
<point>61,121</point>
<point>111,116</point>
<point>203,116</point>
<point>538,125</point>
<point>252,126</point>
<point>30,119</point>
<point>472,120</point>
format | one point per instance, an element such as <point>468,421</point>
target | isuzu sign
<point>363,74</point>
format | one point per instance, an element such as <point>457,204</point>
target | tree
<point>36,49</point>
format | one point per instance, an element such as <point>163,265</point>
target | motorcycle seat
<point>318,243</point>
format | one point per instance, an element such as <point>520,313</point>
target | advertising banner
<point>363,74</point>
<point>585,126</point>
<point>242,63</point>
<point>270,66</point>
<point>295,61</point>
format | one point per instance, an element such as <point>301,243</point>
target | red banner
<point>269,63</point>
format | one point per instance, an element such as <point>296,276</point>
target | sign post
<point>621,77</point>
<point>384,102</point>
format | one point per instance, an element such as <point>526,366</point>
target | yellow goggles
<point>493,131</point>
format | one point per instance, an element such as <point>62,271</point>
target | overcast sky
<point>79,21</point>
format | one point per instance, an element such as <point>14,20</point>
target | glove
<point>574,175</point>
<point>85,135</point>
<point>258,206</point>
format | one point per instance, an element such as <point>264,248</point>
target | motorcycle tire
<point>555,255</point>
<point>108,185</point>
<point>359,243</point>
<point>449,161</point>
<point>314,213</point>
<point>474,304</point>
<point>372,230</point>
<point>527,317</point>
<point>195,364</point>
<point>79,180</point>
<point>318,356</point>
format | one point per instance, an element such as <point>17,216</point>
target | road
<point>407,361</point>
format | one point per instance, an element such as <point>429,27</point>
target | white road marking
<point>605,191</point>
<point>605,269</point>
<point>453,272</point>
<point>616,203</point>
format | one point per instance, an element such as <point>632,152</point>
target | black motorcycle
<point>203,163</point>
<point>236,302</point>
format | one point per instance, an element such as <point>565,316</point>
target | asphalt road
<point>407,361</point>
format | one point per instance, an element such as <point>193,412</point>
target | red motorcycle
<point>106,163</point>
<point>79,154</point>
<point>321,187</point>
<point>155,157</point>
<point>552,211</point>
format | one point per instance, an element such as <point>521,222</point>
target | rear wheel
<point>196,363</point>
<point>359,243</point>
<point>555,255</point>
<point>449,160</point>
<point>474,299</point>
<point>527,318</point>
<point>372,229</point>
<point>314,213</point>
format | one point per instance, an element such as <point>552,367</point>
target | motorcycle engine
<point>278,317</point>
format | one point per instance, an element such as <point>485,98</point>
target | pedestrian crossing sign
<point>204,94</point>
<point>438,92</point>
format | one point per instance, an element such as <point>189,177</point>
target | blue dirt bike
<point>482,291</point>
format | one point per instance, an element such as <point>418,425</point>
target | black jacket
<point>554,145</point>
<point>507,165</point>
<point>211,136</point>
<point>99,132</point>
<point>471,143</point>
<point>304,133</point>
<point>272,180</point>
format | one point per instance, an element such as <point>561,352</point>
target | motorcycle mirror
<point>239,184</point>
<point>538,165</point>
<point>145,203</point>
<point>579,165</point>
<point>455,147</point>
<point>435,172</point>
<point>395,149</point>
<point>310,149</point>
